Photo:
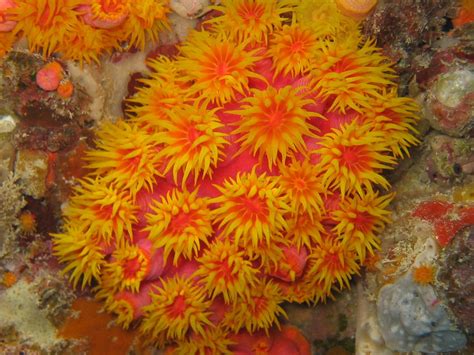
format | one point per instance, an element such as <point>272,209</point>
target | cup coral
<point>248,173</point>
<point>83,30</point>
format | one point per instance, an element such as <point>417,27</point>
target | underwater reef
<point>250,166</point>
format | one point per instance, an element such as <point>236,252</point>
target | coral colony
<point>247,172</point>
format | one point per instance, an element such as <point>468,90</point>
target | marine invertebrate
<point>125,155</point>
<point>423,274</point>
<point>303,186</point>
<point>250,209</point>
<point>225,270</point>
<point>177,306</point>
<point>250,20</point>
<point>325,20</point>
<point>81,253</point>
<point>333,263</point>
<point>105,13</point>
<point>28,222</point>
<point>9,279</point>
<point>49,76</point>
<point>274,123</point>
<point>6,23</point>
<point>347,75</point>
<point>260,311</point>
<point>65,89</point>
<point>360,218</point>
<point>245,175</point>
<point>103,210</point>
<point>291,49</point>
<point>179,223</point>
<point>219,68</point>
<point>161,91</point>
<point>397,117</point>
<point>130,265</point>
<point>357,9</point>
<point>351,158</point>
<point>46,24</point>
<point>192,141</point>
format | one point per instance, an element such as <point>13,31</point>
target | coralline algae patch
<point>248,173</point>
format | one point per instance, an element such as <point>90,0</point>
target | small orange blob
<point>357,9</point>
<point>424,274</point>
<point>103,338</point>
<point>27,222</point>
<point>65,89</point>
<point>49,76</point>
<point>9,279</point>
<point>465,14</point>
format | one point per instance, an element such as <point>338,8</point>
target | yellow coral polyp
<point>291,49</point>
<point>192,141</point>
<point>46,24</point>
<point>127,269</point>
<point>225,270</point>
<point>180,223</point>
<point>146,19</point>
<point>348,76</point>
<point>160,92</point>
<point>250,20</point>
<point>110,10</point>
<point>178,306</point>
<point>218,68</point>
<point>86,44</point>
<point>80,252</point>
<point>352,158</point>
<point>260,311</point>
<point>325,20</point>
<point>250,209</point>
<point>303,186</point>
<point>305,229</point>
<point>333,261</point>
<point>274,122</point>
<point>397,117</point>
<point>126,155</point>
<point>215,342</point>
<point>360,218</point>
<point>103,211</point>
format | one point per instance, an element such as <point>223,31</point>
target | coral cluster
<point>249,172</point>
<point>81,30</point>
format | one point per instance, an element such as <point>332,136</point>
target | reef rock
<point>412,318</point>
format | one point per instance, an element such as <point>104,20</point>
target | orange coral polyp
<point>333,262</point>
<point>303,187</point>
<point>250,209</point>
<point>192,141</point>
<point>352,157</point>
<point>126,155</point>
<point>81,253</point>
<point>260,311</point>
<point>178,306</point>
<point>397,117</point>
<point>424,274</point>
<point>291,50</point>
<point>218,68</point>
<point>108,13</point>
<point>46,24</point>
<point>273,124</point>
<point>348,77</point>
<point>250,20</point>
<point>226,271</point>
<point>102,210</point>
<point>360,218</point>
<point>180,223</point>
